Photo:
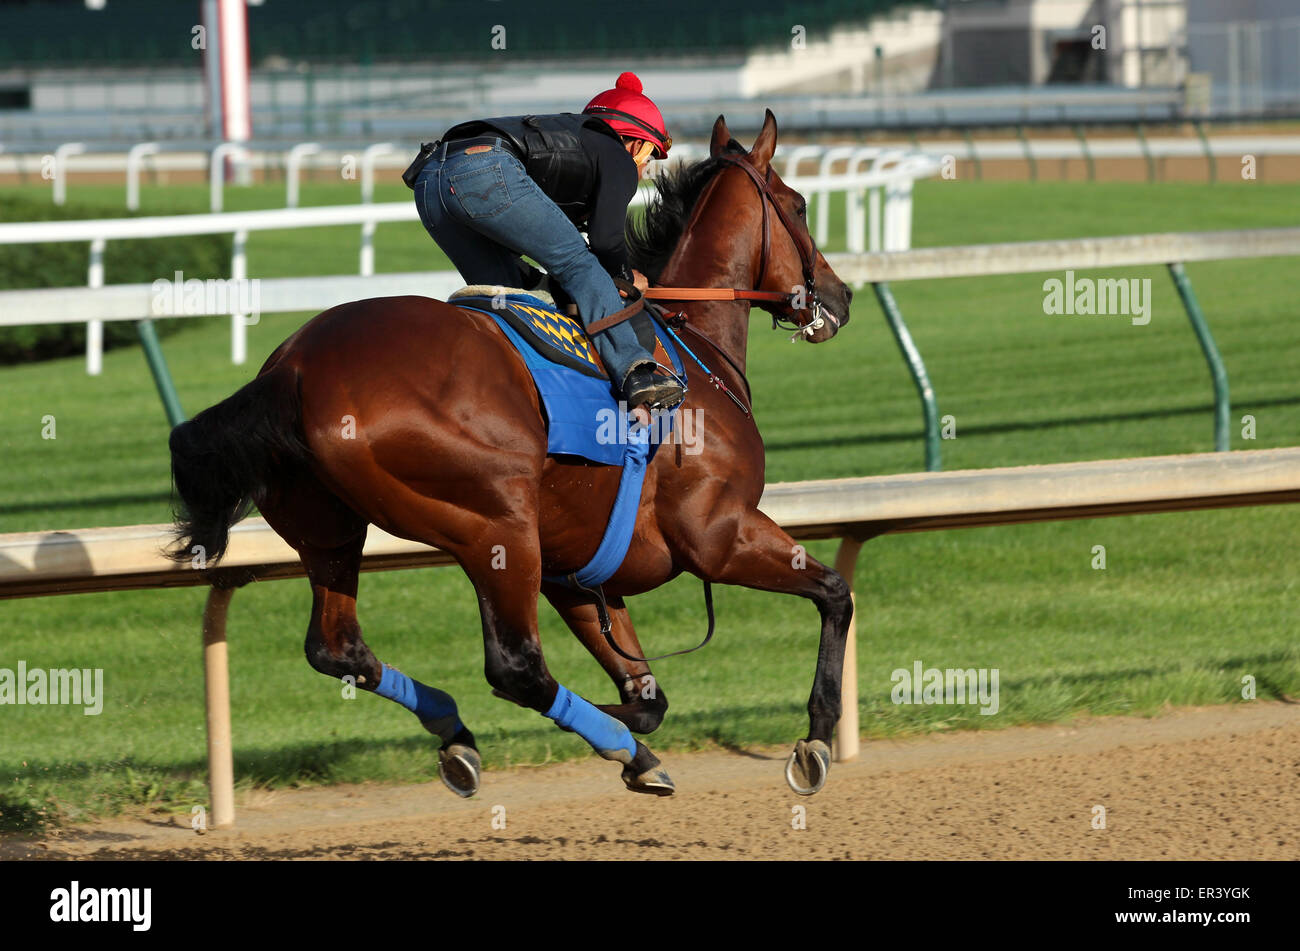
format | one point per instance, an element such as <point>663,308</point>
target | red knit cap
<point>632,114</point>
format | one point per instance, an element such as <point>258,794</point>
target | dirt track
<point>1217,783</point>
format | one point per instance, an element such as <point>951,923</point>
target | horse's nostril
<point>848,294</point>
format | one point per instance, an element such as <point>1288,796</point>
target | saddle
<point>583,417</point>
<point>580,402</point>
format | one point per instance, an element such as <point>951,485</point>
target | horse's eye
<point>803,209</point>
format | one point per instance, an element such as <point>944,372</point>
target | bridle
<point>817,315</point>
<point>808,259</point>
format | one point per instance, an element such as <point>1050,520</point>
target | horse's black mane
<point>650,242</point>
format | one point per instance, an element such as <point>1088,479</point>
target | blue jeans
<point>484,211</point>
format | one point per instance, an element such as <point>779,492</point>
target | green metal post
<point>929,406</point>
<point>1218,373</point>
<point>161,375</point>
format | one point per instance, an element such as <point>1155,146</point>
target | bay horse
<point>419,417</point>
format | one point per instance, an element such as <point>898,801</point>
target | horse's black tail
<point>229,457</point>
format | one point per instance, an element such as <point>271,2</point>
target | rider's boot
<point>646,384</point>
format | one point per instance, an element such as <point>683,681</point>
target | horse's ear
<point>765,144</point>
<point>721,136</point>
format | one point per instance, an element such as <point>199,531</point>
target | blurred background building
<point>130,69</point>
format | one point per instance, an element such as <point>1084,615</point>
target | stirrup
<point>658,391</point>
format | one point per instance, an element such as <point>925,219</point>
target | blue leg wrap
<point>610,738</point>
<point>436,709</point>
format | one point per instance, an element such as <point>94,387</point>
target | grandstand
<point>138,33</point>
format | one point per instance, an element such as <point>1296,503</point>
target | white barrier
<point>171,157</point>
<point>291,294</point>
<point>298,156</point>
<point>854,510</point>
<point>1028,257</point>
<point>368,215</point>
<point>276,295</point>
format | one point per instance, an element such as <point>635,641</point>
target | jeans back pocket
<point>481,192</point>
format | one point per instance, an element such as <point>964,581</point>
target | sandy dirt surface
<point>1214,783</point>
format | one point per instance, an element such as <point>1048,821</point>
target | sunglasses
<point>643,151</point>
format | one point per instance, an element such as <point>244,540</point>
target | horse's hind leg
<point>644,704</point>
<point>334,647</point>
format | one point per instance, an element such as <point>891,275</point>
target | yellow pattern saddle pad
<point>554,335</point>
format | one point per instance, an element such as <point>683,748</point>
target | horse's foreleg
<point>759,554</point>
<point>644,704</point>
<point>516,669</point>
<point>334,647</point>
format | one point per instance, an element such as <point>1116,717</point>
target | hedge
<point>136,261</point>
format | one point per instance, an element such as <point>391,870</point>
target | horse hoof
<point>809,763</point>
<point>458,767</point>
<point>644,774</point>
<point>653,781</point>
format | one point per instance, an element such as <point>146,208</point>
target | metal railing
<point>1025,257</point>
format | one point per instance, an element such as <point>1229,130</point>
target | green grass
<point>1188,604</point>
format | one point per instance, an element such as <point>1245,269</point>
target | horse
<point>419,417</point>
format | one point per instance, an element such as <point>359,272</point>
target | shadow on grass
<point>86,501</point>
<point>29,804</point>
<point>1268,688</point>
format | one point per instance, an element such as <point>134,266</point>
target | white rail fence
<point>361,162</point>
<point>853,510</point>
<point>358,162</point>
<point>887,225</point>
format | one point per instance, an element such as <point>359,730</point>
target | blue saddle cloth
<point>583,417</point>
<point>580,402</point>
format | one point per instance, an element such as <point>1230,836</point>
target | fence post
<point>95,328</point>
<point>1146,153</point>
<point>134,159</point>
<point>292,165</point>
<point>216,691</point>
<point>1029,154</point>
<point>1218,372</point>
<point>973,154</point>
<point>1087,155</point>
<point>847,741</point>
<point>61,169</point>
<point>367,196</point>
<point>238,274</point>
<point>1209,154</point>
<point>929,406</point>
<point>217,171</point>
<point>823,197</point>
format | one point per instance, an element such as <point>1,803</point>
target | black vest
<point>551,149</point>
